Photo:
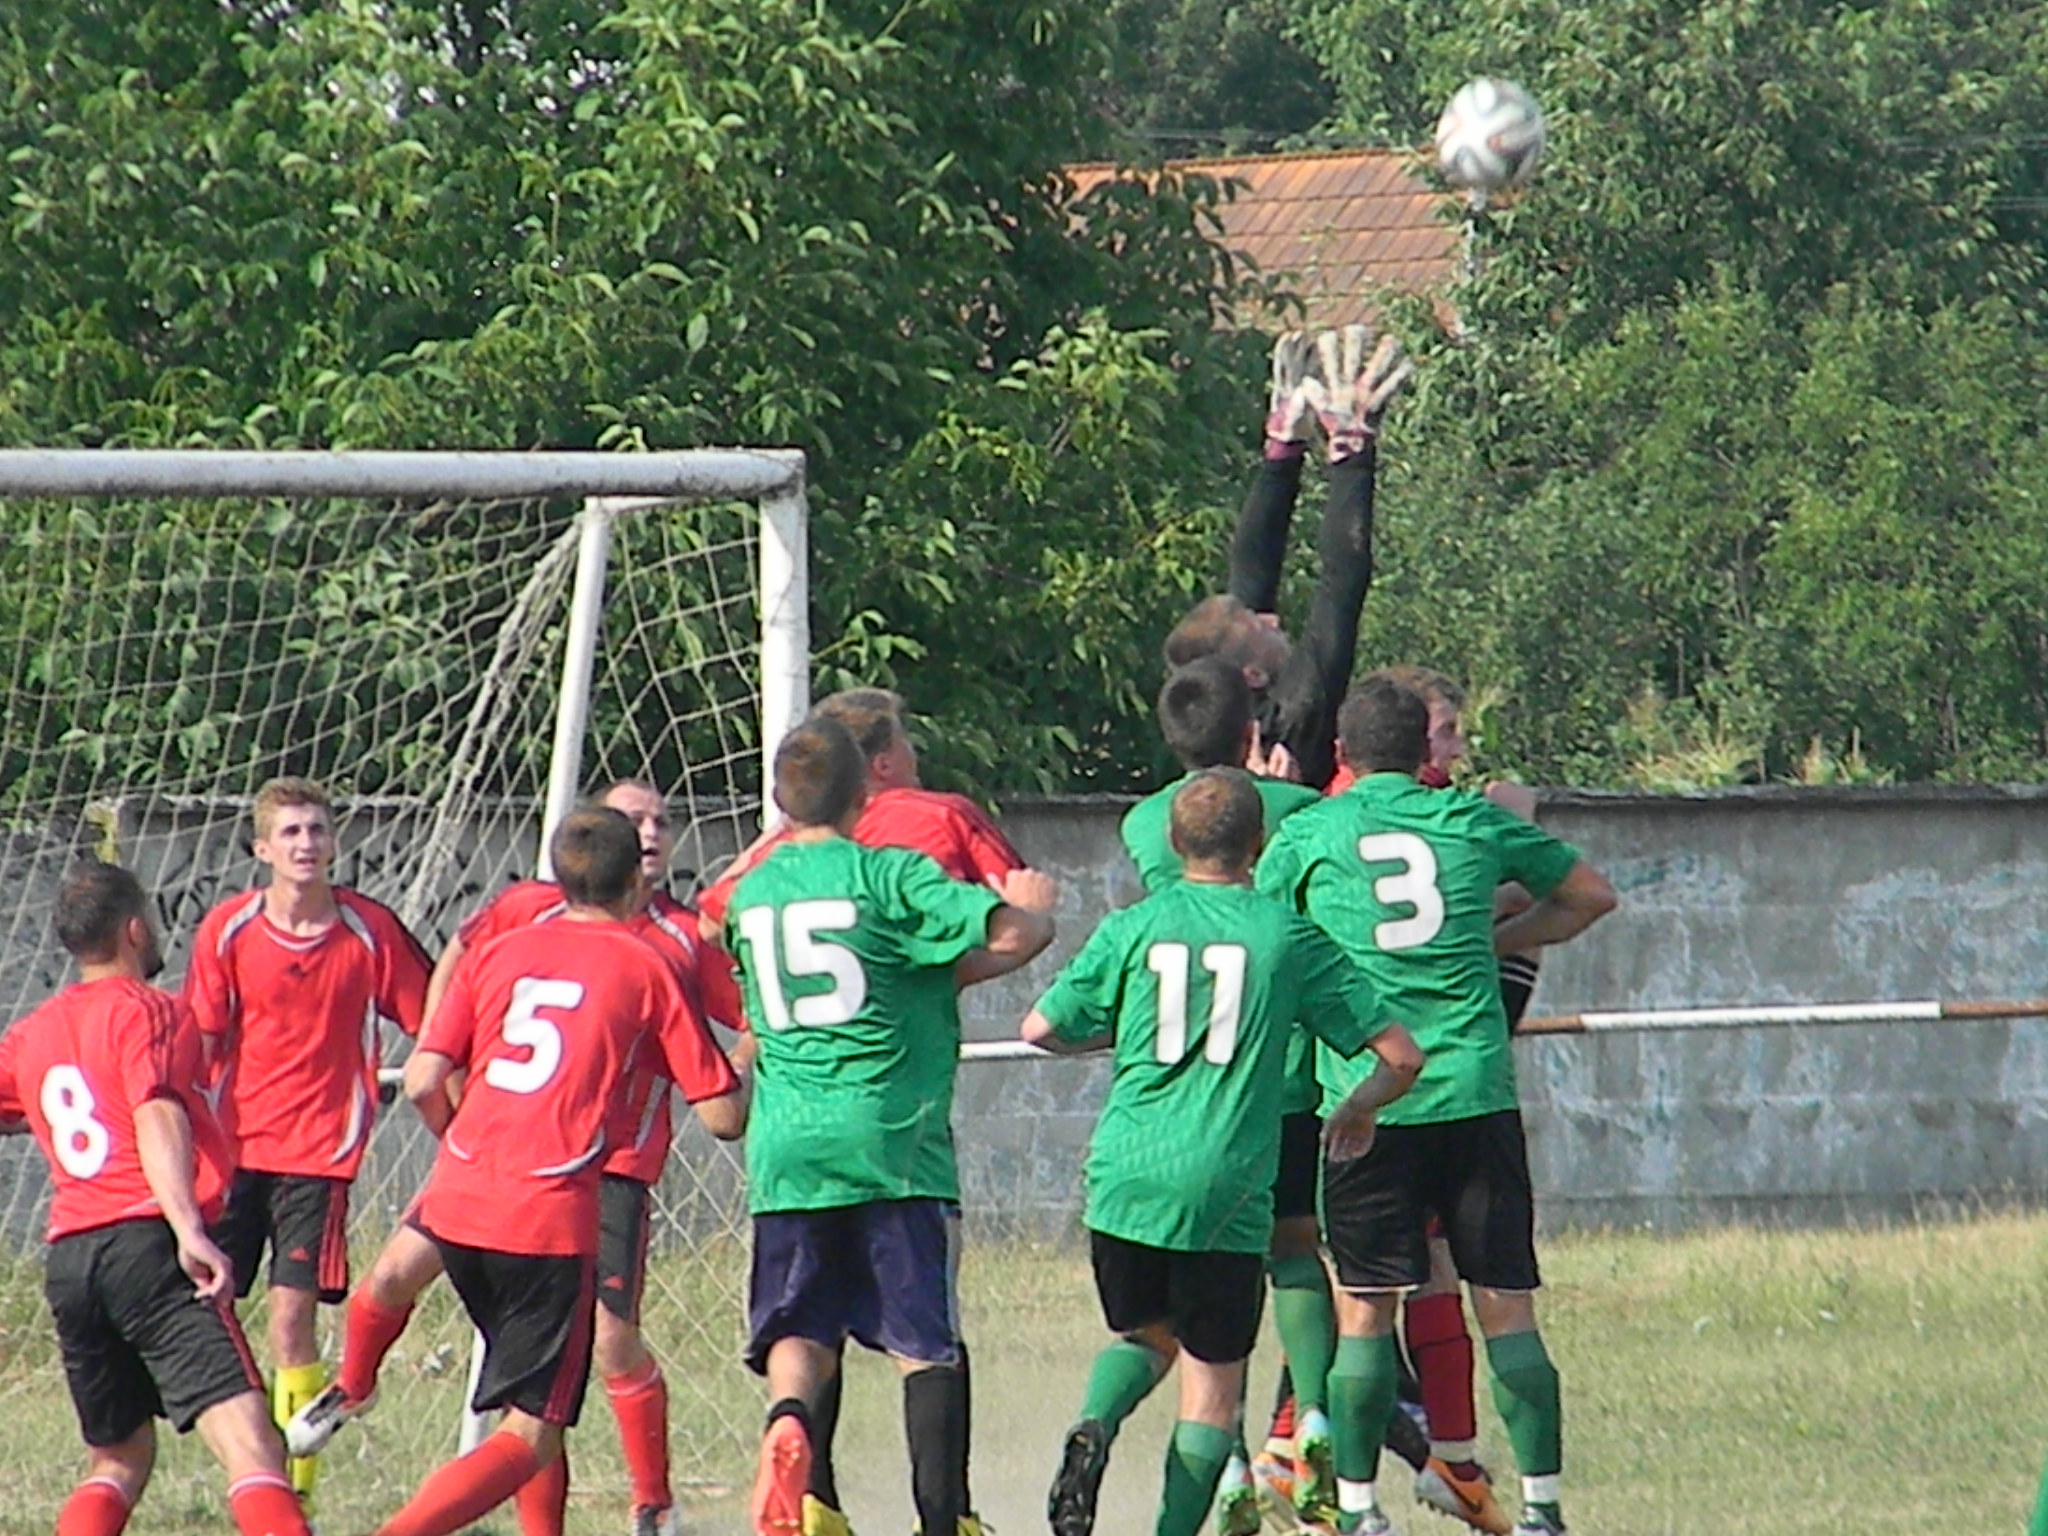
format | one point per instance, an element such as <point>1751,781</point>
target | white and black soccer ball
<point>1490,137</point>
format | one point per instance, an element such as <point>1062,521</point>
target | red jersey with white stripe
<point>952,829</point>
<point>706,975</point>
<point>547,1020</point>
<point>78,1068</point>
<point>297,1017</point>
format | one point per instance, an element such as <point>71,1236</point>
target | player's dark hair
<point>1384,726</point>
<point>1218,818</point>
<point>820,772</point>
<point>92,904</point>
<point>1433,685</point>
<point>1213,627</point>
<point>1203,712</point>
<point>596,854</point>
<point>873,715</point>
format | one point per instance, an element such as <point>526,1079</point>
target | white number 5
<point>1414,886</point>
<point>542,1037</point>
<point>804,953</point>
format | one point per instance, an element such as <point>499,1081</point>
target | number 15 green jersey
<point>1404,878</point>
<point>846,956</point>
<point>1204,986</point>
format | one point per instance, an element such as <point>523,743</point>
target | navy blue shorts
<point>880,1273</point>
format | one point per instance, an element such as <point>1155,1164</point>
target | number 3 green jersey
<point>1404,878</point>
<point>1204,986</point>
<point>846,956</point>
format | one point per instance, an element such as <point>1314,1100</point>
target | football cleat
<point>1273,1476</point>
<point>308,1431</point>
<point>1237,1501</point>
<point>779,1485</point>
<point>655,1520</point>
<point>1536,1522</point>
<point>821,1519</point>
<point>1070,1507</point>
<point>1315,1466</point>
<point>1440,1487</point>
<point>974,1525</point>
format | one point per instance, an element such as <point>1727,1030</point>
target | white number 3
<point>542,1037</point>
<point>1414,886</point>
<point>77,1140</point>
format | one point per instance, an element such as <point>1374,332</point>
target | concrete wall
<point>1741,897</point>
<point>1772,895</point>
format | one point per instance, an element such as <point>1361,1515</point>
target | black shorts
<point>1473,1175</point>
<point>135,1341</point>
<point>305,1222</point>
<point>624,1207</point>
<point>883,1273</point>
<point>536,1313</point>
<point>1301,1163</point>
<point>1211,1302</point>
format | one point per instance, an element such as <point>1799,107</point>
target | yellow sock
<point>293,1388</point>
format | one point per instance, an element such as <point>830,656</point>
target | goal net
<point>456,645</point>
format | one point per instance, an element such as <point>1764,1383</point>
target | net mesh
<point>159,660</point>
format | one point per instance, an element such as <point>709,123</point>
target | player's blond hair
<point>276,794</point>
<point>1218,819</point>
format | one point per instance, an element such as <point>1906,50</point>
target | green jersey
<point>1203,987</point>
<point>1146,836</point>
<point>846,956</point>
<point>1404,878</point>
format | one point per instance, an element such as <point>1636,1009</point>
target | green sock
<point>2039,1526</point>
<point>1194,1465</point>
<point>1363,1379</point>
<point>1525,1390</point>
<point>1307,1323</point>
<point>1124,1375</point>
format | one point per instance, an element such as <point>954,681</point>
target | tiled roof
<point>1343,226</point>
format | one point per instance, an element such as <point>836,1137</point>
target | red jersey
<point>951,828</point>
<point>547,1020</point>
<point>706,975</point>
<point>297,1020</point>
<point>77,1069</point>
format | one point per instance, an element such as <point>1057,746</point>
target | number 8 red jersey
<point>77,1068</point>
<point>546,1021</point>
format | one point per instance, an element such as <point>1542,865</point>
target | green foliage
<point>1208,76</point>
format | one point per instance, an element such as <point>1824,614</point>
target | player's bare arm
<point>427,1076</point>
<point>444,972</point>
<point>1040,1031</point>
<point>1348,1129</point>
<point>163,1144</point>
<point>1018,931</point>
<point>1580,900</point>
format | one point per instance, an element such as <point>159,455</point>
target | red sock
<point>1283,1420</point>
<point>640,1402</point>
<point>1442,1351</point>
<point>263,1504</point>
<point>466,1489</point>
<point>543,1499</point>
<point>368,1332</point>
<point>96,1507</point>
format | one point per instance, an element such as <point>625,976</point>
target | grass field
<point>1775,1384</point>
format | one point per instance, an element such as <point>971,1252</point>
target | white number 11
<point>1225,964</point>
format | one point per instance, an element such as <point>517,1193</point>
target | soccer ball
<point>1490,136</point>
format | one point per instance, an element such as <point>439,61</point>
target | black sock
<point>1517,982</point>
<point>824,1422</point>
<point>789,1408</point>
<point>935,1424</point>
<point>966,1427</point>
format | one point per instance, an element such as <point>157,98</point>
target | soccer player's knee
<point>1503,1312</point>
<point>617,1348</point>
<point>1295,1237</point>
<point>126,1464</point>
<point>242,1435</point>
<point>1159,1339</point>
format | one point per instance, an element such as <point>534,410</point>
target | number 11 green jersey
<point>1203,986</point>
<point>846,956</point>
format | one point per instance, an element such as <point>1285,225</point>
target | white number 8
<point>1414,886</point>
<point>77,1140</point>
<point>543,1037</point>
